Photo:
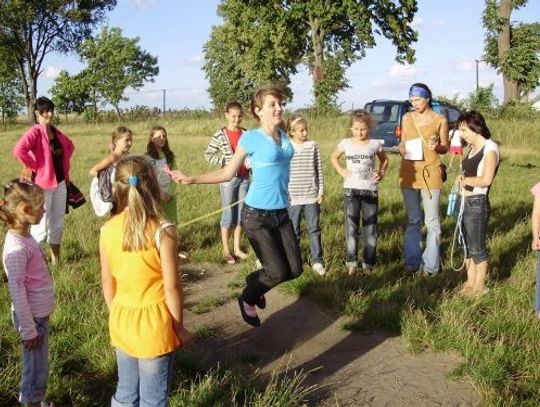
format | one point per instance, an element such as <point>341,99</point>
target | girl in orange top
<point>139,263</point>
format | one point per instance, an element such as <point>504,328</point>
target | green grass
<point>497,334</point>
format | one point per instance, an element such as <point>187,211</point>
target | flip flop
<point>229,259</point>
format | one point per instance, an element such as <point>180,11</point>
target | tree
<point>71,94</point>
<point>116,63</point>
<point>512,48</point>
<point>11,100</point>
<point>482,99</point>
<point>31,29</point>
<point>262,40</point>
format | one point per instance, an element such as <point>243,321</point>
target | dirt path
<point>350,369</point>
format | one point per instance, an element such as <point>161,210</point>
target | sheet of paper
<point>413,150</point>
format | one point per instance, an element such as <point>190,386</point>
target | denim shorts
<point>475,218</point>
<point>231,192</point>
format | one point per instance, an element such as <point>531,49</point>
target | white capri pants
<point>51,226</point>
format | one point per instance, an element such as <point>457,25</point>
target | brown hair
<point>257,99</point>
<point>362,116</point>
<point>152,151</point>
<point>136,188</point>
<point>118,133</point>
<point>233,105</point>
<point>18,193</point>
<point>293,121</point>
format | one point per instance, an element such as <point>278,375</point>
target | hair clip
<point>133,180</point>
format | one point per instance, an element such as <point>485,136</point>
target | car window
<point>383,113</point>
<point>453,115</point>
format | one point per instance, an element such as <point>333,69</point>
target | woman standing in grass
<point>535,244</point>
<point>264,216</point>
<point>139,272</point>
<point>361,188</point>
<point>479,170</point>
<point>424,139</point>
<point>306,188</point>
<point>46,153</point>
<point>162,158</point>
<point>30,286</point>
<point>219,152</point>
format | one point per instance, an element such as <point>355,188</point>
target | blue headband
<point>133,180</point>
<point>418,91</point>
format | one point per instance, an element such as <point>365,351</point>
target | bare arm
<point>108,282</point>
<point>215,177</point>
<point>383,165</point>
<point>105,163</point>
<point>334,159</point>
<point>536,224</point>
<point>174,296</point>
<point>487,176</point>
<point>442,147</point>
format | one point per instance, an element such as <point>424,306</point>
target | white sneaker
<point>319,269</point>
<point>258,265</point>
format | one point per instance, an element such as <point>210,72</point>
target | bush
<point>518,111</point>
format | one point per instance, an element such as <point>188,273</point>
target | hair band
<point>418,91</point>
<point>133,180</point>
<point>296,121</point>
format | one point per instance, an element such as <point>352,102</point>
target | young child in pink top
<point>535,244</point>
<point>30,285</point>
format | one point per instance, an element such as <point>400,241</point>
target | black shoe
<point>261,302</point>
<point>253,321</point>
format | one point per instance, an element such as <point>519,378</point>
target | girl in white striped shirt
<point>30,285</point>
<point>306,188</point>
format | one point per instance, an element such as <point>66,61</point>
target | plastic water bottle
<point>452,198</point>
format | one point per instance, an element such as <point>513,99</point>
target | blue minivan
<point>387,115</point>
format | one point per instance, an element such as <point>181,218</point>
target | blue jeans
<point>537,301</point>
<point>143,382</point>
<point>362,204</point>
<point>475,218</point>
<point>35,364</point>
<point>428,260</point>
<point>232,191</point>
<point>271,234</point>
<point>312,214</point>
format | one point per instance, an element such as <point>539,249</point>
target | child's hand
<point>535,245</point>
<point>31,343</point>
<point>185,337</point>
<point>179,177</point>
<point>378,176</point>
<point>320,199</point>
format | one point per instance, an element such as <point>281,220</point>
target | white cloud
<point>437,23</point>
<point>417,22</point>
<point>195,60</point>
<point>52,72</point>
<point>403,72</point>
<point>141,5</point>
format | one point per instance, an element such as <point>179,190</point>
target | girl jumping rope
<point>30,286</point>
<point>141,286</point>
<point>103,172</point>
<point>219,152</point>
<point>264,216</point>
<point>163,160</point>
<point>306,187</point>
<point>361,188</point>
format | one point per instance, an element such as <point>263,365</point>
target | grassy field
<point>496,334</point>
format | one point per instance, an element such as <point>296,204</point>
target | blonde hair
<point>136,189</point>
<point>257,99</point>
<point>362,116</point>
<point>118,133</point>
<point>293,121</point>
<point>18,193</point>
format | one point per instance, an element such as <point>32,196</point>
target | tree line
<point>259,41</point>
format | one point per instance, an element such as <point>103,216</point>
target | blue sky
<point>451,37</point>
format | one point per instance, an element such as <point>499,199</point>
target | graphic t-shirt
<point>360,160</point>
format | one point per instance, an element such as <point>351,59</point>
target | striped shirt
<point>220,151</point>
<point>30,285</point>
<point>306,180</point>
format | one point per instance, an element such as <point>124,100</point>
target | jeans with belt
<point>475,218</point>
<point>271,234</point>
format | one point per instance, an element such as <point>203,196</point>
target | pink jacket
<point>34,151</point>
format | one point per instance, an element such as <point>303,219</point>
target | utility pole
<point>164,101</point>
<point>477,61</point>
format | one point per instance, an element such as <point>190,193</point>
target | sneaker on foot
<point>319,269</point>
<point>258,265</point>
